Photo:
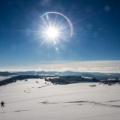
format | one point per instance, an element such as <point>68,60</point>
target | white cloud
<point>87,66</point>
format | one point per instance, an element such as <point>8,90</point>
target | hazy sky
<point>96,31</point>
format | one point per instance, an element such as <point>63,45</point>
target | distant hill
<point>71,79</point>
<point>17,77</point>
<point>7,73</point>
<point>97,75</point>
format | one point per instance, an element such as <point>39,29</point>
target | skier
<point>2,104</point>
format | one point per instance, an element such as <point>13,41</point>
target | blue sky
<point>96,32</point>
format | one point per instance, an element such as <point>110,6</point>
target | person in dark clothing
<point>2,104</point>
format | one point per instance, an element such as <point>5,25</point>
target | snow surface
<point>31,100</point>
<point>4,77</point>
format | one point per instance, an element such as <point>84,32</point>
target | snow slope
<point>31,100</point>
<point>4,77</point>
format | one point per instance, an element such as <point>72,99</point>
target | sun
<point>52,33</point>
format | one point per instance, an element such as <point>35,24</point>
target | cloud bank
<point>86,66</point>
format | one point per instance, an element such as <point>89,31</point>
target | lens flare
<point>65,17</point>
<point>55,28</point>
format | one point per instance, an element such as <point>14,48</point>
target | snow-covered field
<point>4,77</point>
<point>28,100</point>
